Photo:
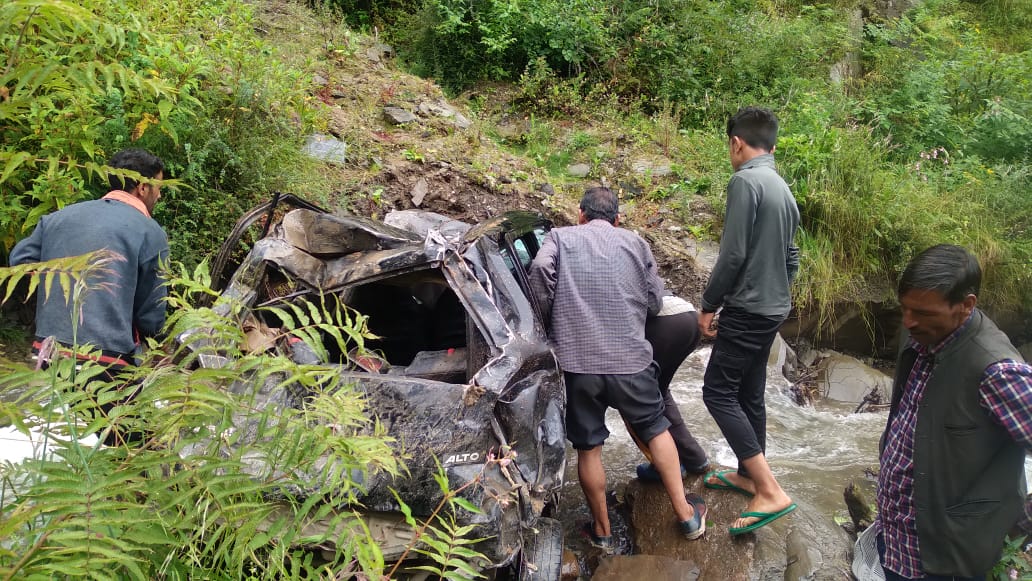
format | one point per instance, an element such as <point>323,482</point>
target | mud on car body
<point>464,369</point>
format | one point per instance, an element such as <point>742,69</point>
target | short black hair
<point>141,161</point>
<point>756,126</point>
<point>950,270</point>
<point>600,203</point>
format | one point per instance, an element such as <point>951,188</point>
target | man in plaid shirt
<point>595,283</point>
<point>952,481</point>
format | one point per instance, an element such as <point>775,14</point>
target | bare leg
<point>592,477</point>
<point>769,495</point>
<point>664,458</point>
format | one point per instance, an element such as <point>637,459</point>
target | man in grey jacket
<point>125,302</point>
<point>750,283</point>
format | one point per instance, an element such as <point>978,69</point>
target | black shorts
<point>636,396</point>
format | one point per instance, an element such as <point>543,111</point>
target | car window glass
<point>523,253</point>
<point>539,234</point>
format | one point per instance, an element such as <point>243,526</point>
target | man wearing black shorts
<point>596,283</point>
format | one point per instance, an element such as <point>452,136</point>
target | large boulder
<point>803,545</point>
<point>872,327</point>
<point>847,379</point>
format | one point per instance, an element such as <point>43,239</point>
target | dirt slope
<point>442,156</point>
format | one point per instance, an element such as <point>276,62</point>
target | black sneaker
<point>697,470</point>
<point>604,543</point>
<point>694,527</point>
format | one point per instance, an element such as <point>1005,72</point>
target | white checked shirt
<point>596,283</point>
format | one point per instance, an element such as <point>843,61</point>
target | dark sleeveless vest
<point>969,477</point>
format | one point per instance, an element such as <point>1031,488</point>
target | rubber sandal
<point>727,485</point>
<point>765,519</point>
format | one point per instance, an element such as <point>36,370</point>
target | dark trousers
<point>892,576</point>
<point>673,338</point>
<point>733,387</point>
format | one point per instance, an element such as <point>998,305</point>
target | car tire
<point>542,556</point>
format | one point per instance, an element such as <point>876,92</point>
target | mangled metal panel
<point>329,234</point>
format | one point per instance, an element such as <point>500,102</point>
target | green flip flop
<point>727,485</point>
<point>765,519</point>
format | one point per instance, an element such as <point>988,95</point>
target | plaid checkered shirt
<point>595,284</point>
<point>1006,394</point>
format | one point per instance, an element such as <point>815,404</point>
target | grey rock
<point>446,111</point>
<point>379,52</point>
<point>807,354</point>
<point>325,148</point>
<point>399,116</point>
<point>579,170</point>
<point>419,191</point>
<point>717,554</point>
<point>642,167</point>
<point>705,253</point>
<point>803,559</point>
<point>549,190</point>
<point>778,353</point>
<point>631,190</point>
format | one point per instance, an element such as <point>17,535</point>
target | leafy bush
<point>938,81</point>
<point>460,42</point>
<point>184,504</point>
<point>1015,562</point>
<point>189,81</point>
<point>713,57</point>
<point>61,57</point>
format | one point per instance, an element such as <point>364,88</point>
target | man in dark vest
<point>952,481</point>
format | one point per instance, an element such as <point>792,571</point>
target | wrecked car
<point>462,367</point>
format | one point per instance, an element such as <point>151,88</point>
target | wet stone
<point>651,567</point>
<point>801,557</point>
<point>847,379</point>
<point>717,554</point>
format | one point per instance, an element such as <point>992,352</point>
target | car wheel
<point>542,556</point>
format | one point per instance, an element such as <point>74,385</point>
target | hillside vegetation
<point>898,132</point>
<point>922,135</point>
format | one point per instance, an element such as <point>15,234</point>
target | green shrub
<point>61,59</point>
<point>937,81</point>
<point>460,42</point>
<point>189,81</point>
